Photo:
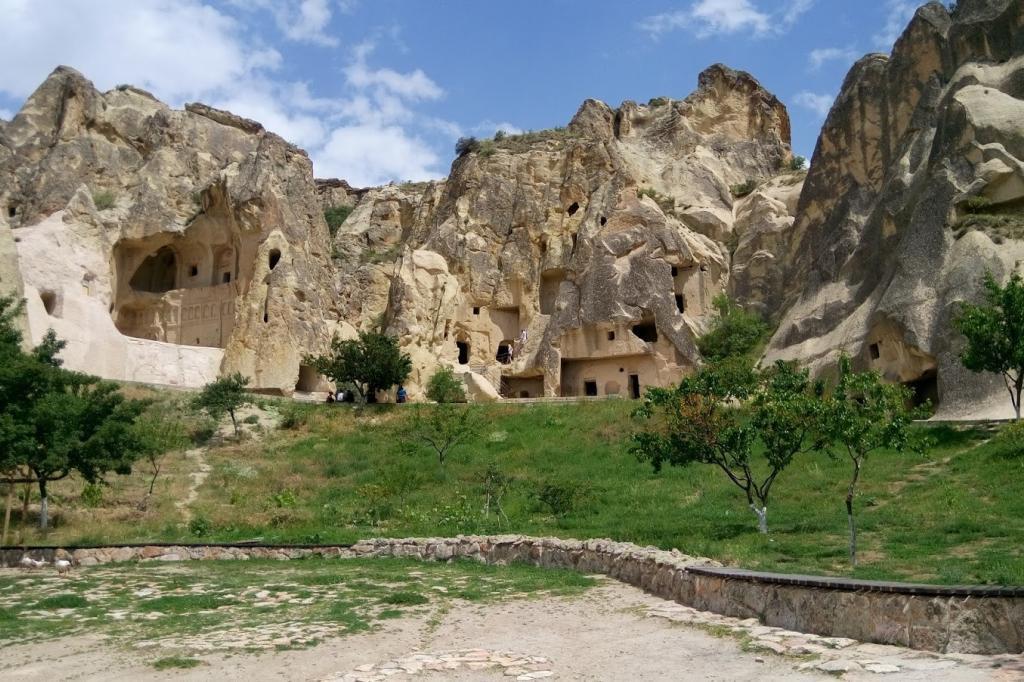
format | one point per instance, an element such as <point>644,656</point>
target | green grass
<point>954,515</point>
<point>253,604</point>
<point>172,662</point>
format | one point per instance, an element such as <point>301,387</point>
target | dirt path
<point>613,632</point>
<point>196,478</point>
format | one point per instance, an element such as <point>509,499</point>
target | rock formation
<point>916,188</point>
<point>165,246</point>
<point>592,253</point>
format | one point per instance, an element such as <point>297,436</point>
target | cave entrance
<point>504,354</point>
<point>158,273</point>
<point>925,389</point>
<point>274,258</point>
<point>550,283</point>
<point>590,388</point>
<point>309,379</point>
<point>463,347</point>
<point>634,386</point>
<point>646,331</point>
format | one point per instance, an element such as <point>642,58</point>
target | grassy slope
<point>955,515</point>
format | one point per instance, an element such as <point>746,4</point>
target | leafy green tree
<point>225,395</point>
<point>736,333</point>
<point>995,334</point>
<point>54,421</point>
<point>699,422</point>
<point>466,145</point>
<point>443,427</point>
<point>444,387</point>
<point>371,363</point>
<point>864,415</point>
<point>160,430</point>
<point>797,163</point>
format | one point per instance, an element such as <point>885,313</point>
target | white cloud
<point>303,21</point>
<point>819,57</point>
<point>898,15</point>
<point>488,128</point>
<point>370,154</point>
<point>819,103</point>
<point>707,18</point>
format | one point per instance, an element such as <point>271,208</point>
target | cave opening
<point>158,273</point>
<point>604,221</point>
<point>12,211</point>
<point>646,331</point>
<point>924,389</point>
<point>49,300</point>
<point>575,206</point>
<point>680,303</point>
<point>550,283</point>
<point>274,258</point>
<point>590,388</point>
<point>309,379</point>
<point>463,347</point>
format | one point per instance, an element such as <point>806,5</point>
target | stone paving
<point>510,664</point>
<point>835,655</point>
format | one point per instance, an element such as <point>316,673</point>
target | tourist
<point>401,396</point>
<point>330,397</point>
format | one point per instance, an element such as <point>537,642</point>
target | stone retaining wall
<point>986,623</point>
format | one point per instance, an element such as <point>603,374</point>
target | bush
<point>1009,442</point>
<point>658,101</point>
<point>103,200</point>
<point>560,498</point>
<point>251,419</point>
<point>797,163</point>
<point>742,190</point>
<point>466,145</point>
<point>975,205</point>
<point>735,334</point>
<point>500,135</point>
<point>443,387</point>
<point>336,216</point>
<point>203,431</point>
<point>200,526</point>
<point>92,495</point>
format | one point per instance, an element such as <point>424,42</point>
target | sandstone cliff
<point>916,188</point>
<point>592,251</point>
<point>166,246</point>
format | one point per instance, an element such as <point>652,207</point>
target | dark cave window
<point>573,208</point>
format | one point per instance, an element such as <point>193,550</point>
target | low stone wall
<point>933,618</point>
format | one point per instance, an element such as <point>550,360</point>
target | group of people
<point>343,396</point>
<point>510,350</point>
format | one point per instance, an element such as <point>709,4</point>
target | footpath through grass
<point>339,474</point>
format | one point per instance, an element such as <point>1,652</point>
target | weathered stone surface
<point>166,246</point>
<point>594,251</point>
<point>879,262</point>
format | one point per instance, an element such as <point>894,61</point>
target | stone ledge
<point>851,585</point>
<point>987,622</point>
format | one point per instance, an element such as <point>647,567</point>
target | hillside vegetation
<point>337,473</point>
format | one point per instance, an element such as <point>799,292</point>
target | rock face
<point>885,245</point>
<point>166,246</point>
<point>578,261</point>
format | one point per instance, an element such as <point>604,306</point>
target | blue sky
<point>378,90</point>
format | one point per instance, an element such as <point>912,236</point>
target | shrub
<point>103,200</point>
<point>444,387</point>
<point>560,498</point>
<point>200,526</point>
<point>203,431</point>
<point>500,135</point>
<point>92,495</point>
<point>735,334</point>
<point>744,189</point>
<point>336,216</point>
<point>251,419</point>
<point>797,163</point>
<point>658,101</point>
<point>1009,442</point>
<point>977,205</point>
<point>466,145</point>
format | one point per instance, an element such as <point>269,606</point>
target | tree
<point>736,333</point>
<point>443,427</point>
<point>466,145</point>
<point>160,430</point>
<point>797,163</point>
<point>699,422</point>
<point>54,421</point>
<point>370,363</point>
<point>225,395</point>
<point>864,415</point>
<point>995,334</point>
<point>443,387</point>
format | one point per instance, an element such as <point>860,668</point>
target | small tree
<point>443,387</point>
<point>736,333</point>
<point>55,422</point>
<point>443,427</point>
<point>864,415</point>
<point>797,163</point>
<point>495,484</point>
<point>466,145</point>
<point>160,431</point>
<point>225,395</point>
<point>370,363</point>
<point>698,422</point>
<point>336,217</point>
<point>995,334</point>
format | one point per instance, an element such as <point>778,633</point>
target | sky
<point>379,90</point>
